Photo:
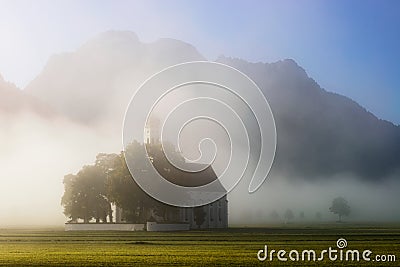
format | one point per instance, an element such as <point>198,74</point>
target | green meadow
<point>232,247</point>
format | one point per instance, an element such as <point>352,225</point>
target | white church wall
<point>104,227</point>
<point>161,227</point>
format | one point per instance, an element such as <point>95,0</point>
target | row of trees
<point>90,193</point>
<point>339,206</point>
<point>289,215</point>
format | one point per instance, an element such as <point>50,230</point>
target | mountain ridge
<point>15,101</point>
<point>320,133</point>
<point>319,118</point>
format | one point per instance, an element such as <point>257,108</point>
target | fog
<point>369,202</point>
<point>37,151</point>
<point>35,155</point>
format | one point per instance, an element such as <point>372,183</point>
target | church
<point>165,217</point>
<point>214,215</point>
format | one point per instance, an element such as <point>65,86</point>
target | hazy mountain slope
<point>98,80</point>
<point>322,133</point>
<point>319,133</point>
<point>14,101</point>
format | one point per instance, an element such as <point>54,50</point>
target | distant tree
<point>199,216</point>
<point>301,215</point>
<point>289,216</point>
<point>318,215</point>
<point>340,207</point>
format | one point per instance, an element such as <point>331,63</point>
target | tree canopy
<point>90,193</point>
<point>85,195</point>
<point>289,216</point>
<point>340,207</point>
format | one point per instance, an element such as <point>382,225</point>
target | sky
<point>348,47</point>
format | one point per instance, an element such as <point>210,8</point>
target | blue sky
<point>348,47</point>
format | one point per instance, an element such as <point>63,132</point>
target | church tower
<point>152,131</point>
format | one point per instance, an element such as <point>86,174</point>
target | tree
<point>301,215</point>
<point>72,208</point>
<point>88,195</point>
<point>199,216</point>
<point>85,195</point>
<point>289,216</point>
<point>123,191</point>
<point>340,207</point>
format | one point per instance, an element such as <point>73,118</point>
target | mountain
<point>14,101</point>
<point>97,80</point>
<point>320,133</point>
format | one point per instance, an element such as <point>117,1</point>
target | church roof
<point>191,179</point>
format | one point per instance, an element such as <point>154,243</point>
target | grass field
<point>236,246</point>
